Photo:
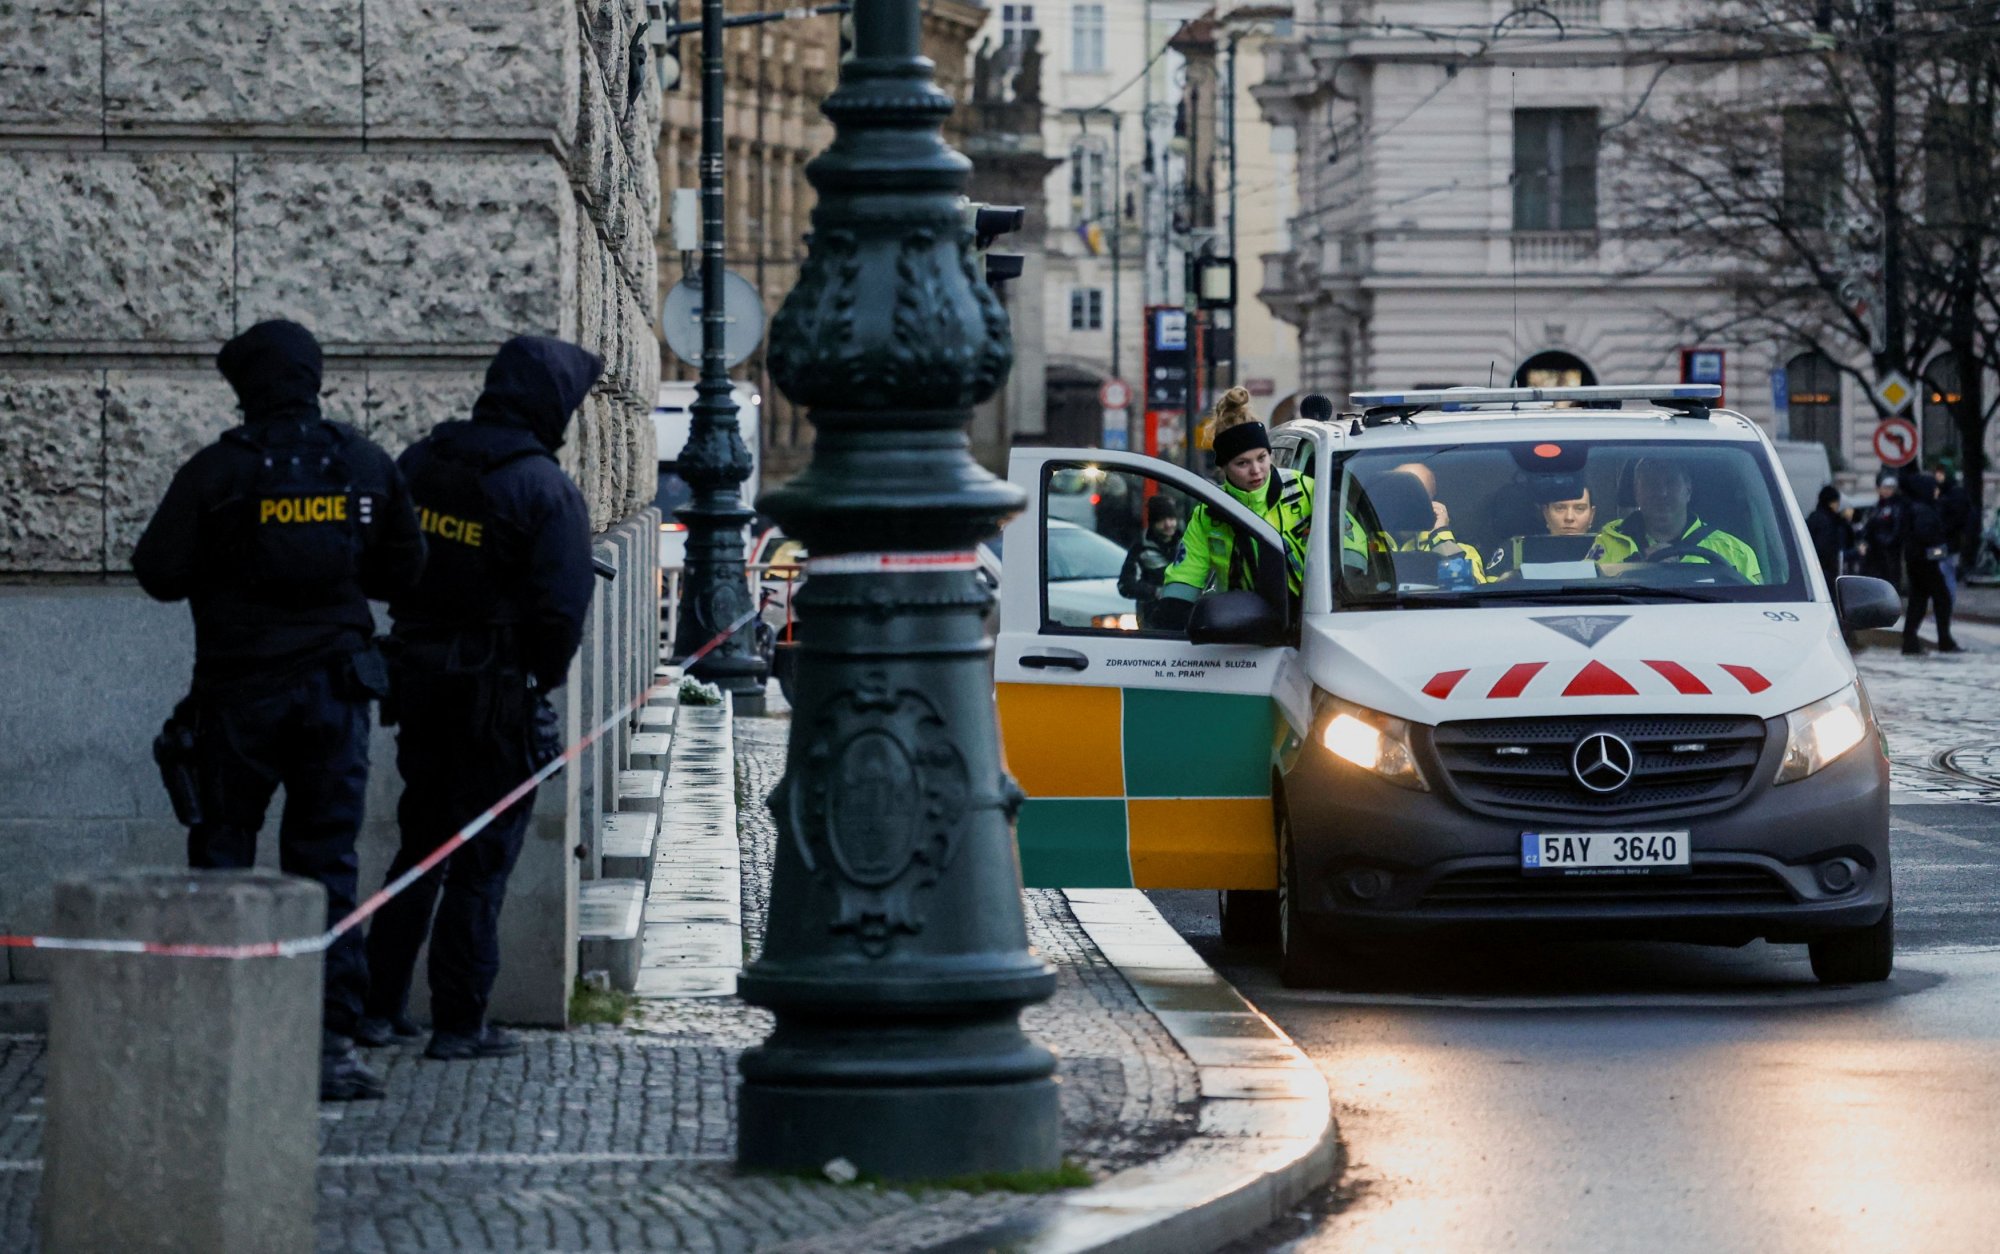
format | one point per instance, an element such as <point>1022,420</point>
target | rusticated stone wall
<point>416,180</point>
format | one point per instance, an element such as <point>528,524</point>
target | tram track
<point>1945,763</point>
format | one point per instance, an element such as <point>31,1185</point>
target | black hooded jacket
<point>509,533</point>
<point>224,519</point>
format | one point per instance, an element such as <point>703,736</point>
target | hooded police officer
<point>476,646</point>
<point>278,535</point>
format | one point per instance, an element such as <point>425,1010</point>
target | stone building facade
<point>415,180</point>
<point>1241,186</point>
<point>777,73</point>
<point>1465,212</point>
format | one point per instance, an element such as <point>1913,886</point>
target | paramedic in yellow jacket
<point>1403,502</point>
<point>1208,560</point>
<point>1666,528</point>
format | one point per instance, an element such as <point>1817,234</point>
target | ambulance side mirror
<point>1865,602</point>
<point>1235,618</point>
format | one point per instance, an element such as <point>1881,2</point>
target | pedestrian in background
<point>477,647</point>
<point>1146,562</point>
<point>1832,535</point>
<point>1925,548</point>
<point>1881,544</point>
<point>1955,509</point>
<point>278,535</point>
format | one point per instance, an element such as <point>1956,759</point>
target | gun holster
<point>545,733</point>
<point>174,753</point>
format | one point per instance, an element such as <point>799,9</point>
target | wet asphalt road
<point>1629,1097</point>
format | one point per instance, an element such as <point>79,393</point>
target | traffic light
<point>987,224</point>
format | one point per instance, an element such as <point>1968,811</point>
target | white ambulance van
<point>1632,716</point>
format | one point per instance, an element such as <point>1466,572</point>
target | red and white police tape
<point>892,563</point>
<point>316,944</point>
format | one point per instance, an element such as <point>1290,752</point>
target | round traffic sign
<point>1114,394</point>
<point>680,319</point>
<point>1896,441</point>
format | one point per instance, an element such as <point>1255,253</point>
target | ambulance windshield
<point>1572,520</point>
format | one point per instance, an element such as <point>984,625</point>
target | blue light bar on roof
<point>1460,397</point>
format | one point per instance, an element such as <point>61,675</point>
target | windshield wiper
<point>1565,593</point>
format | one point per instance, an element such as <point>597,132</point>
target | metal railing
<point>1571,13</point>
<point>1555,250</point>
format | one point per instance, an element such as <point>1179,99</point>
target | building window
<point>1089,180</point>
<point>1814,155</point>
<point>1941,392</point>
<point>1555,169</point>
<point>1086,309</point>
<point>1016,20</point>
<point>1086,38</point>
<point>1554,369</point>
<point>1812,397</point>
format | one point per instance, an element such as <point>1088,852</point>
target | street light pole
<point>1889,159</point>
<point>897,959</point>
<point>1117,240</point>
<point>715,462</point>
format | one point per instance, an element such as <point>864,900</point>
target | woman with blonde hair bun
<point>1208,560</point>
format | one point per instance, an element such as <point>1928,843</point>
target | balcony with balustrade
<point>1553,252</point>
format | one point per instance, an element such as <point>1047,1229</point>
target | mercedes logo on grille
<point>1602,762</point>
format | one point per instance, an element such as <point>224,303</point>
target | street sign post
<point>1896,441</point>
<point>1705,365</point>
<point>680,320</point>
<point>1117,427</point>
<point>1114,394</point>
<point>1895,391</point>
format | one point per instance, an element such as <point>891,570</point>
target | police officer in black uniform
<point>278,535</point>
<point>476,646</point>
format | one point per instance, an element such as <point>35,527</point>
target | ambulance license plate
<point>1604,853</point>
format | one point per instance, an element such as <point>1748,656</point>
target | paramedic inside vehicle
<point>1664,529</point>
<point>1702,523</point>
<point>1569,515</point>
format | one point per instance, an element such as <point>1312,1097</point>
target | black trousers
<point>458,755</point>
<point>309,735</point>
<point>1928,591</point>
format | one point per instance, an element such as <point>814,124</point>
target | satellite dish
<point>680,319</point>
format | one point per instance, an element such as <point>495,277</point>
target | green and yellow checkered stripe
<point>1141,788</point>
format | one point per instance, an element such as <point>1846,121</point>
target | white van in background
<point>1807,468</point>
<point>672,417</point>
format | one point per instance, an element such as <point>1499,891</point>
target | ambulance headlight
<point>1818,734</point>
<point>1370,740</point>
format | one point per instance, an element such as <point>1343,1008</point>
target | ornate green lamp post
<point>715,462</point>
<point>897,959</point>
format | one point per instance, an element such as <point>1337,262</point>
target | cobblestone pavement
<point>621,1138</point>
<point>1941,713</point>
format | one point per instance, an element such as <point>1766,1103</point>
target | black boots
<point>488,1042</point>
<point>343,1077</point>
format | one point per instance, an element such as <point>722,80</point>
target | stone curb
<point>693,925</point>
<point>1266,1133</point>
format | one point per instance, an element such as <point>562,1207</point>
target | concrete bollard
<point>183,1093</point>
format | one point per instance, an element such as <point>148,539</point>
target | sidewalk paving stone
<point>612,1138</point>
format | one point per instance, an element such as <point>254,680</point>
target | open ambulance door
<point>1147,760</point>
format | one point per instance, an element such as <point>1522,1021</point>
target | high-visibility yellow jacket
<point>1208,560</point>
<point>1356,540</point>
<point>1623,540</point>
